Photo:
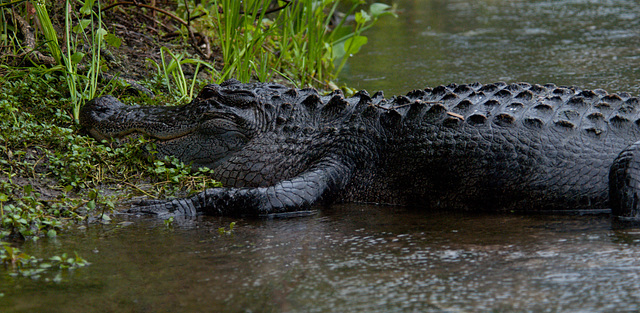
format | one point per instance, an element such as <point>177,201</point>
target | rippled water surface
<point>357,258</point>
<point>353,258</point>
<point>586,43</point>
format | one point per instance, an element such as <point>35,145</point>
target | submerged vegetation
<point>55,56</point>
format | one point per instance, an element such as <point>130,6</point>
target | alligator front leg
<point>624,184</point>
<point>287,197</point>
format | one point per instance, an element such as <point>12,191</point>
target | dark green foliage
<point>52,175</point>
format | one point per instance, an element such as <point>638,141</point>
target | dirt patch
<point>142,31</point>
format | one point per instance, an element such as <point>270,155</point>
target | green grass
<point>173,75</point>
<point>297,42</point>
<point>89,29</point>
<point>241,35</point>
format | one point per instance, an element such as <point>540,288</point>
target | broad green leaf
<point>172,66</point>
<point>86,8</point>
<point>378,9</point>
<point>82,25</point>
<point>101,32</point>
<point>353,44</point>
<point>337,51</point>
<point>113,40</point>
<point>76,58</point>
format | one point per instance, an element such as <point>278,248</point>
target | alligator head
<point>277,150</point>
<point>205,132</point>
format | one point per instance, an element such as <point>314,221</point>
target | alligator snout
<point>97,115</point>
<point>99,109</point>
<point>106,117</point>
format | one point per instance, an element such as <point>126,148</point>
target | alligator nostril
<point>99,109</point>
<point>230,82</point>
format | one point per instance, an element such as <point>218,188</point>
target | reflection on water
<point>348,258</point>
<point>591,44</point>
<point>372,258</point>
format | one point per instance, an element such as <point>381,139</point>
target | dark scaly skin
<point>476,147</point>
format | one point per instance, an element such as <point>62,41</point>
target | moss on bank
<point>52,175</point>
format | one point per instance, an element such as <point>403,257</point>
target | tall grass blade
<point>70,70</point>
<point>48,30</point>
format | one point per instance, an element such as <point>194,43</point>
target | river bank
<point>52,175</point>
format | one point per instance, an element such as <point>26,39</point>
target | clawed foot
<point>154,207</point>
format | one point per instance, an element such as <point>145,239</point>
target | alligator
<point>475,147</point>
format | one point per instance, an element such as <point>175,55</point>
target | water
<point>349,258</point>
<point>358,258</point>
<point>591,44</point>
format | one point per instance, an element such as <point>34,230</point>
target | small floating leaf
<point>52,233</point>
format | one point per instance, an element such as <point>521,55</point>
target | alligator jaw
<point>106,118</point>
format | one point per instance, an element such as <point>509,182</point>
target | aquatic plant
<point>299,40</point>
<point>27,265</point>
<point>223,231</point>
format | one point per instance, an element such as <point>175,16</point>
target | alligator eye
<point>101,108</point>
<point>209,91</point>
